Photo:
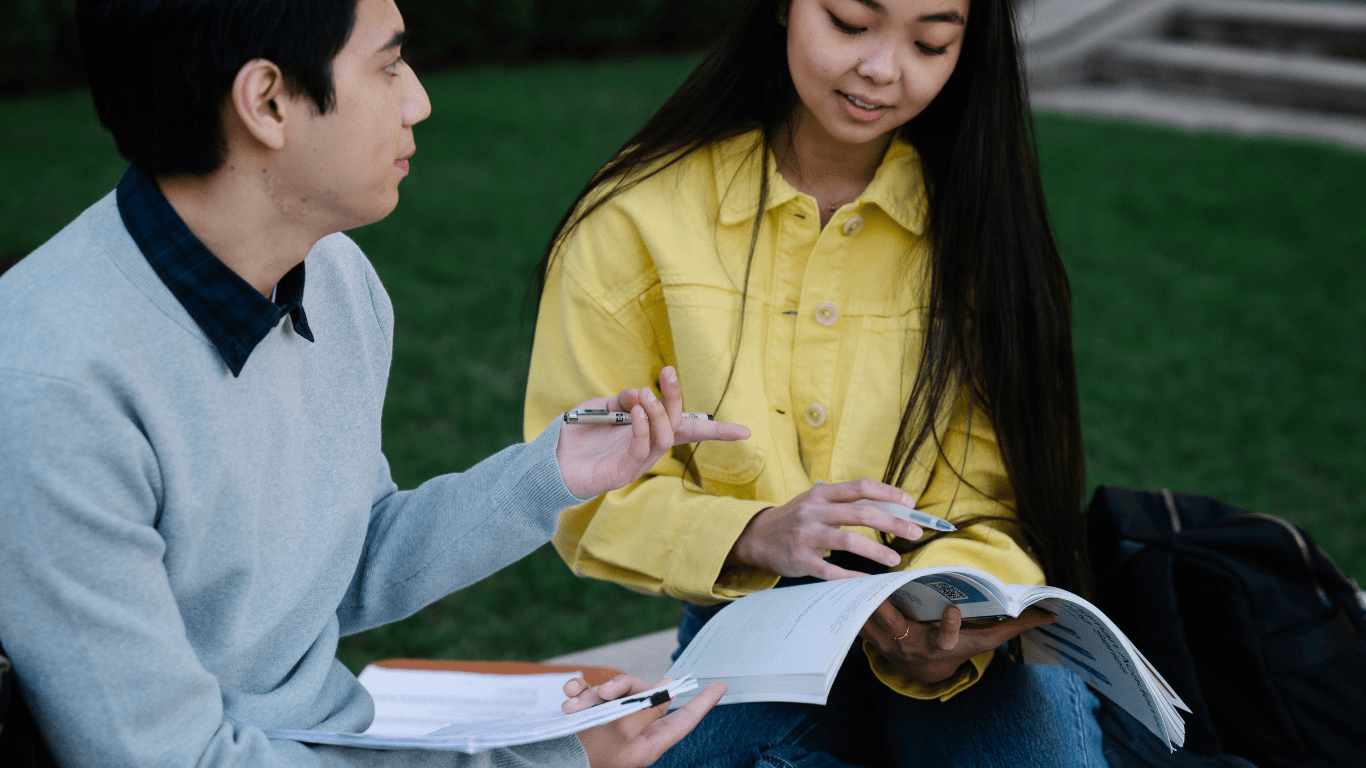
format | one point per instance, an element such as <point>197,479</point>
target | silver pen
<point>922,519</point>
<point>599,416</point>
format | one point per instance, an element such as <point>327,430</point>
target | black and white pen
<point>599,416</point>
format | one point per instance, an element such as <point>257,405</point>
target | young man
<point>194,501</point>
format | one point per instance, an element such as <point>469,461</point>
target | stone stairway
<point>1295,67</point>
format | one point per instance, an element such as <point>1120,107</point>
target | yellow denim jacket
<point>831,339</point>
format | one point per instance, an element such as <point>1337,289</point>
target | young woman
<point>835,230</point>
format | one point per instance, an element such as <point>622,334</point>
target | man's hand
<point>791,540</point>
<point>636,740</point>
<point>931,651</point>
<point>595,459</point>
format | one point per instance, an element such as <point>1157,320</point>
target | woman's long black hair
<point>1000,318</point>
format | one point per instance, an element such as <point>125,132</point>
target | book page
<point>1087,644</point>
<point>1025,595</point>
<point>804,629</point>
<point>785,644</point>
<point>412,702</point>
<point>927,596</point>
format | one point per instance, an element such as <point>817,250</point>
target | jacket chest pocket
<point>882,375</point>
<point>724,378</point>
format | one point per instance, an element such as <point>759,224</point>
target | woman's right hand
<point>932,651</point>
<point>791,540</point>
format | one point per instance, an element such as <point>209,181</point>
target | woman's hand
<point>932,651</point>
<point>639,739</point>
<point>792,540</point>
<point>595,459</point>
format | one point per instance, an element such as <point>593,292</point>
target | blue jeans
<point>1016,715</point>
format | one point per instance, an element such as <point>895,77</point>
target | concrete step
<point>1197,112</point>
<point>1327,28</point>
<point>1287,79</point>
<point>1063,38</point>
<point>1051,23</point>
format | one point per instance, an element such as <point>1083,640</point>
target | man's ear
<point>261,102</point>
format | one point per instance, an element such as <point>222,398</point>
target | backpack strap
<point>1173,516</point>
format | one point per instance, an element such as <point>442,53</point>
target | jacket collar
<point>897,188</point>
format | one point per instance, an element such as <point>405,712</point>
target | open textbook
<point>471,737</point>
<point>787,644</point>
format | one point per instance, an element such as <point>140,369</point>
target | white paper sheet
<point>413,702</point>
<point>792,637</point>
<point>477,737</point>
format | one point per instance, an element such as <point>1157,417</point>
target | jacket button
<point>853,225</point>
<point>827,314</point>
<point>815,415</point>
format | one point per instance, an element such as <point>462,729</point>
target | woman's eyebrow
<point>952,17</point>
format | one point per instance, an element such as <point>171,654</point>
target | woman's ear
<point>261,102</point>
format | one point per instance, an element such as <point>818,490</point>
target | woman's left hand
<point>932,651</point>
<point>595,459</point>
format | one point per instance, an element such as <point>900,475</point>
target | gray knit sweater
<point>180,549</point>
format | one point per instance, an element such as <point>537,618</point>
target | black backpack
<point>1259,632</point>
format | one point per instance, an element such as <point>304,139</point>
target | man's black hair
<point>161,70</point>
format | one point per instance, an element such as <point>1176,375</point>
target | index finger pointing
<point>694,430</point>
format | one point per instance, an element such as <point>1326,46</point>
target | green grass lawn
<point>1218,281</point>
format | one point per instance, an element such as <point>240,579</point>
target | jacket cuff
<point>943,690</point>
<point>699,568</point>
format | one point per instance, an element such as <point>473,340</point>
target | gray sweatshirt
<point>180,549</point>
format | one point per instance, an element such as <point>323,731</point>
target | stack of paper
<point>414,702</point>
<point>506,732</point>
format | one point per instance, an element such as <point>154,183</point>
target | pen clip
<point>655,699</point>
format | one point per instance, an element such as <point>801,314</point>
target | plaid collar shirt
<point>233,314</point>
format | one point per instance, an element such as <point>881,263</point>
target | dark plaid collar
<point>234,315</point>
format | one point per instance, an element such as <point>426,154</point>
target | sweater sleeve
<point>88,615</point>
<point>454,530</point>
<point>660,534</point>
